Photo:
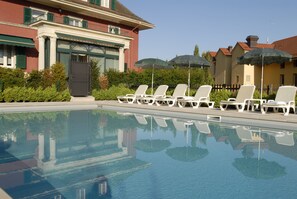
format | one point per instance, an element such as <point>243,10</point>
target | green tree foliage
<point>95,72</point>
<point>207,56</point>
<point>59,76</point>
<point>196,50</point>
<point>11,77</point>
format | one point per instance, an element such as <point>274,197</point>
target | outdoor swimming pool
<point>105,154</point>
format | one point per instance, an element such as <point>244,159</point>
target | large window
<point>38,15</point>
<point>105,3</point>
<point>33,14</point>
<point>73,21</point>
<point>6,56</point>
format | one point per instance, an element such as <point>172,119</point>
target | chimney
<point>252,40</point>
<point>230,48</point>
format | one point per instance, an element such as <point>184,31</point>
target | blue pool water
<point>102,154</point>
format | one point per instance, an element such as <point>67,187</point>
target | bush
<point>34,79</point>
<point>217,96</point>
<point>103,82</point>
<point>22,94</point>
<point>58,76</point>
<point>11,77</point>
<point>111,93</point>
<point>95,72</point>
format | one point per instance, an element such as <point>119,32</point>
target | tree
<point>196,50</point>
<point>207,56</point>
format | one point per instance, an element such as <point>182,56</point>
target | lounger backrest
<point>286,94</point>
<point>245,92</point>
<point>180,90</point>
<point>203,91</point>
<point>161,90</point>
<point>141,90</point>
<point>286,139</point>
<point>244,133</point>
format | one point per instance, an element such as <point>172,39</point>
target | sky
<point>210,24</point>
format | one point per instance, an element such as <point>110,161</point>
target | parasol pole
<point>153,79</point>
<point>189,79</point>
<point>261,92</point>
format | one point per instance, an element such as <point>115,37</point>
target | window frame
<point>39,10</point>
<point>105,3</point>
<point>112,29</point>
<point>8,50</point>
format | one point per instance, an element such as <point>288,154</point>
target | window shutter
<point>50,16</point>
<point>113,4</point>
<point>85,24</point>
<point>21,59</point>
<point>27,15</point>
<point>98,2</point>
<point>92,1</point>
<point>66,20</point>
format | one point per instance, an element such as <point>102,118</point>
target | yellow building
<point>227,71</point>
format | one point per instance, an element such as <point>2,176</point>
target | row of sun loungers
<point>284,100</point>
<point>177,98</point>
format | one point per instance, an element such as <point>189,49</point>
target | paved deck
<point>275,120</point>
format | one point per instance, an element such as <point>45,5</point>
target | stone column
<point>41,53</point>
<point>121,60</point>
<point>53,51</point>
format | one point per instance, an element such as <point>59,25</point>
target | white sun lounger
<point>201,97</point>
<point>130,98</point>
<point>150,99</point>
<point>244,94</point>
<point>284,99</point>
<point>179,92</point>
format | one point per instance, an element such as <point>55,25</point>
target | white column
<point>52,149</point>
<point>53,53</point>
<point>121,60</point>
<point>41,54</point>
<point>40,147</point>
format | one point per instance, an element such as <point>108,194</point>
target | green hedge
<point>170,77</point>
<point>23,94</point>
<point>112,92</point>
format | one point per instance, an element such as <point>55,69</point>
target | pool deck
<point>202,113</point>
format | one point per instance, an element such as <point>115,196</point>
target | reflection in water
<point>89,154</point>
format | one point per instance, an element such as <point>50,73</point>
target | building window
<point>282,65</point>
<point>33,14</point>
<point>72,21</point>
<point>282,79</point>
<point>6,56</point>
<point>295,63</point>
<point>105,3</point>
<point>295,79</point>
<point>114,30</point>
<point>38,15</point>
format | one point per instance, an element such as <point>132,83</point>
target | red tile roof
<point>245,46</point>
<point>225,51</point>
<point>288,45</point>
<point>213,53</point>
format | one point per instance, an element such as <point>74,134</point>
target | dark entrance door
<point>79,79</point>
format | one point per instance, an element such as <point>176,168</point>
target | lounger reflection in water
<point>202,127</point>
<point>282,137</point>
<point>161,121</point>
<point>246,134</point>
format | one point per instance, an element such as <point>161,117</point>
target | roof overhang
<point>96,13</point>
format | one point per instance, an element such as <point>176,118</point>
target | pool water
<point>103,154</point>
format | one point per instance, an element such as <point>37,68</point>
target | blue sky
<point>211,24</point>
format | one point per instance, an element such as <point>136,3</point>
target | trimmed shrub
<point>111,93</point>
<point>12,77</point>
<point>58,76</point>
<point>34,79</point>
<point>103,82</point>
<point>95,72</point>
